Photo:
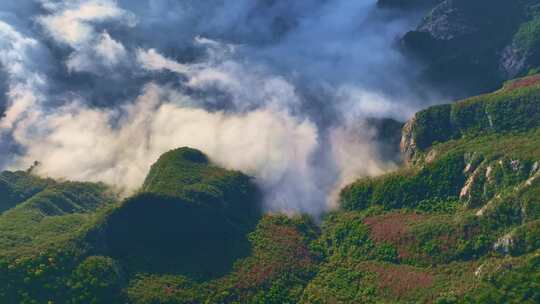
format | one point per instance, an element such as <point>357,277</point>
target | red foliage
<point>169,290</point>
<point>284,252</point>
<point>524,82</point>
<point>393,229</point>
<point>447,242</point>
<point>401,280</point>
<point>390,228</point>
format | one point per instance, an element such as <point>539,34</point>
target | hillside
<point>270,152</point>
<point>458,223</point>
<point>190,218</point>
<point>78,243</point>
<point>41,239</point>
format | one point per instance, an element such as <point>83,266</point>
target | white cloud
<point>262,84</point>
<point>17,54</point>
<point>22,99</point>
<point>152,60</point>
<point>71,22</point>
<point>103,54</point>
<point>248,84</point>
<point>110,50</point>
<point>361,103</point>
<point>79,143</point>
<point>355,155</point>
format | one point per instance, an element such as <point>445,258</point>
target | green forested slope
<point>459,223</point>
<point>41,240</point>
<point>16,187</point>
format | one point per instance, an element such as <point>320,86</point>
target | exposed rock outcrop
<point>408,144</point>
<point>513,61</point>
<point>464,44</point>
<point>505,243</point>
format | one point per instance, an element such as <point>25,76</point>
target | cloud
<point>81,144</point>
<point>243,85</point>
<point>151,60</point>
<point>21,100</point>
<point>71,22</point>
<point>17,55</point>
<point>98,89</point>
<point>362,103</point>
<point>355,154</point>
<point>104,53</point>
<point>109,49</point>
<point>25,81</point>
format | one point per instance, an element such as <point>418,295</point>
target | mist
<point>96,90</point>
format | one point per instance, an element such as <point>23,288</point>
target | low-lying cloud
<point>82,143</point>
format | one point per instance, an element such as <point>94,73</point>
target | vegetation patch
<point>522,83</point>
<point>190,218</point>
<point>16,187</point>
<point>394,229</point>
<point>408,188</point>
<point>400,281</point>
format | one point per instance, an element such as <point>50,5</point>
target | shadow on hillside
<point>155,234</point>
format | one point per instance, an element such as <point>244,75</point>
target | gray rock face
<point>513,61</point>
<point>454,19</point>
<point>461,43</point>
<point>408,144</point>
<point>505,244</point>
<point>447,22</point>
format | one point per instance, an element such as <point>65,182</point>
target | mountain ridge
<point>458,221</point>
<point>438,230</point>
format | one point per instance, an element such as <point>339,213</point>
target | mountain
<point>77,242</point>
<point>470,47</point>
<point>189,218</point>
<point>457,223</point>
<point>16,187</point>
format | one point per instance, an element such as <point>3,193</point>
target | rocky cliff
<point>470,47</point>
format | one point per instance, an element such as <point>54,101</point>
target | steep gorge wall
<point>516,107</point>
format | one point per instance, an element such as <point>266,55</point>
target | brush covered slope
<point>458,223</point>
<point>42,237</point>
